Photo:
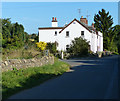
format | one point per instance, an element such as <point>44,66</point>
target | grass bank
<point>18,80</point>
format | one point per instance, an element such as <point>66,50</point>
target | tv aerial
<point>87,14</point>
<point>79,11</point>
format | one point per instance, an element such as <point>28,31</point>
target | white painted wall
<point>54,24</point>
<point>100,41</point>
<point>74,29</point>
<point>94,42</point>
<point>48,35</point>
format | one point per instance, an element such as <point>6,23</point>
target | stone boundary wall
<point>25,63</point>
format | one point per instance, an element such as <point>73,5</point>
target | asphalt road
<point>88,79</point>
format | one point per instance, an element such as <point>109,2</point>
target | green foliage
<point>79,47</point>
<point>17,80</point>
<point>13,35</point>
<point>35,37</point>
<point>0,39</point>
<point>0,26</point>
<point>52,47</point>
<point>117,37</point>
<point>115,53</point>
<point>103,23</point>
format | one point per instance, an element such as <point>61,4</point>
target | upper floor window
<point>55,33</point>
<point>82,33</point>
<point>67,33</point>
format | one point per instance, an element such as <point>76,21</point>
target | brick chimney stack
<point>93,25</point>
<point>84,20</point>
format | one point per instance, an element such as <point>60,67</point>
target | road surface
<point>88,79</point>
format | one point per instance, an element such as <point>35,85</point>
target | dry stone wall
<point>25,63</point>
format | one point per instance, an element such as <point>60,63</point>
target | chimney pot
<point>54,22</point>
<point>55,19</point>
<point>52,18</point>
<point>92,24</point>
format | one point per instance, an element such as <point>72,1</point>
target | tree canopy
<point>103,23</point>
<point>13,34</point>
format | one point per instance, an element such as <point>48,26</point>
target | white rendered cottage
<point>64,35</point>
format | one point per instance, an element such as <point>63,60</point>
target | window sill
<point>67,37</point>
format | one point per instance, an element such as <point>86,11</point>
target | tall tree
<point>117,37</point>
<point>103,23</point>
<point>13,35</point>
<point>113,36</point>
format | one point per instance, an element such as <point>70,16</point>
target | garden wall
<point>25,63</point>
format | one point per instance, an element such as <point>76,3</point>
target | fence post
<point>62,55</point>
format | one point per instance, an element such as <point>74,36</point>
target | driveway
<point>91,78</point>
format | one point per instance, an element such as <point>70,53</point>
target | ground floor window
<point>67,47</point>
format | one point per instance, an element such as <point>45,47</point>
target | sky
<point>119,13</point>
<point>33,15</point>
<point>60,0</point>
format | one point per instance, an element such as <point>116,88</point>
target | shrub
<point>79,47</point>
<point>41,45</point>
<point>115,53</point>
<point>52,47</point>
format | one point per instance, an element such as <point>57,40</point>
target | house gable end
<point>78,22</point>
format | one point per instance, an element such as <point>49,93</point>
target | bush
<point>52,47</point>
<point>79,47</point>
<point>115,53</point>
<point>41,45</point>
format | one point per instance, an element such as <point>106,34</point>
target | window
<point>67,47</point>
<point>73,22</point>
<point>55,33</point>
<point>67,33</point>
<point>82,34</point>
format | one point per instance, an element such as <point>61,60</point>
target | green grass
<point>21,53</point>
<point>17,80</point>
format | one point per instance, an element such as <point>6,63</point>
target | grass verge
<point>18,80</point>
